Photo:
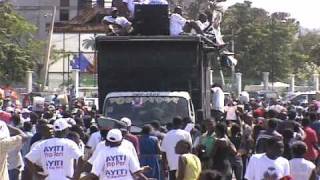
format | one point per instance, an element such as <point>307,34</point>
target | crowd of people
<point>249,139</point>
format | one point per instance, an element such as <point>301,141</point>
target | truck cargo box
<point>153,63</point>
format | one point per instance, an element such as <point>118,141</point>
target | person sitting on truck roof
<point>180,25</point>
<point>177,22</point>
<point>202,21</point>
<point>198,26</point>
<point>117,25</point>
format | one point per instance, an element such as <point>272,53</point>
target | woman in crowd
<point>149,152</point>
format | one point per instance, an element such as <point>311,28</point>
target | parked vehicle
<point>299,98</point>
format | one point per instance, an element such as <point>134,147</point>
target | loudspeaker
<point>151,19</point>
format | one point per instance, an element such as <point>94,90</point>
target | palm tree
<point>89,43</point>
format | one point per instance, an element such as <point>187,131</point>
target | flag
<point>82,63</point>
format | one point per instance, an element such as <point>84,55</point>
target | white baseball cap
<point>114,135</point>
<point>4,131</point>
<point>70,121</point>
<point>126,120</point>
<point>60,125</point>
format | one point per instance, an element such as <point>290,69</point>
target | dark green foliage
<point>19,51</point>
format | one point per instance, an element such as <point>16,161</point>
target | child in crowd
<point>189,164</point>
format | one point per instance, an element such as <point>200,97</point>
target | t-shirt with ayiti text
<point>56,156</point>
<point>101,147</point>
<point>115,163</point>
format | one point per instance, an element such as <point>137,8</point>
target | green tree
<point>306,57</point>
<point>19,51</point>
<point>262,41</point>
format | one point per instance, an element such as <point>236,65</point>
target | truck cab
<point>145,107</point>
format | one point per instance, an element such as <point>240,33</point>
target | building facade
<point>40,12</point>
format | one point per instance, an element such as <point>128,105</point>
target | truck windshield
<point>142,110</point>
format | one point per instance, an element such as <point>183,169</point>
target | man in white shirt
<point>94,139</point>
<point>103,146</point>
<point>202,22</point>
<point>300,168</point>
<point>217,102</point>
<point>177,22</point>
<point>56,155</point>
<point>115,162</point>
<point>168,145</point>
<point>117,25</point>
<point>269,165</point>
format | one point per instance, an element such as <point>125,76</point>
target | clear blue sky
<point>305,11</point>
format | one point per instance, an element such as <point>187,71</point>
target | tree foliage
<point>19,51</point>
<point>306,56</point>
<point>263,41</point>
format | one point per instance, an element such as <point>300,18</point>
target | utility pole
<point>272,52</point>
<point>233,65</point>
<point>48,52</point>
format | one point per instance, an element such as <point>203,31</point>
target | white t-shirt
<point>38,162</point>
<point>15,159</point>
<point>218,99</point>
<point>115,163</point>
<point>261,167</point>
<point>168,145</point>
<point>244,97</point>
<point>121,21</point>
<point>56,156</point>
<point>177,23</point>
<point>301,169</point>
<point>102,147</point>
<point>94,140</point>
